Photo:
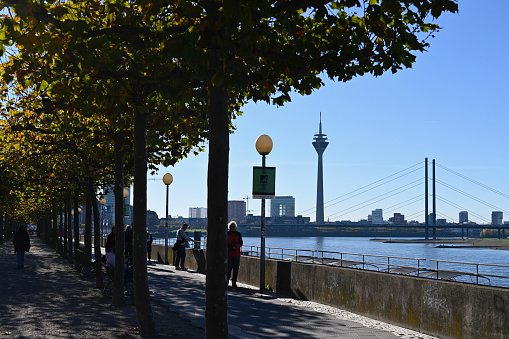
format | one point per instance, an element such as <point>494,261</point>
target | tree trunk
<point>60,224</point>
<point>118,283</point>
<point>97,238</point>
<point>216,307</point>
<point>88,231</point>
<point>67,217</point>
<point>47,228</point>
<point>2,230</point>
<point>144,314</point>
<point>76,223</point>
<point>55,229</point>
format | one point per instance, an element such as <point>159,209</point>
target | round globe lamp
<point>263,144</point>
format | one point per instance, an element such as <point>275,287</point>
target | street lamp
<point>167,179</point>
<point>263,146</point>
<point>126,206</point>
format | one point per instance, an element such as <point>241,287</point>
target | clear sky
<point>451,106</point>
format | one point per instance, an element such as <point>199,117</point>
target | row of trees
<point>96,93</point>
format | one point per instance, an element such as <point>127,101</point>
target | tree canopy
<point>186,68</point>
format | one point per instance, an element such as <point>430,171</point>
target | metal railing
<point>474,273</point>
<point>427,268</point>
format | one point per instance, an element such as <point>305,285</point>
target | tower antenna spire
<point>320,144</point>
<point>320,128</point>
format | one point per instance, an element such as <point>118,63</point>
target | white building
<point>282,206</point>
<point>377,216</point>
<point>197,212</point>
<point>463,217</point>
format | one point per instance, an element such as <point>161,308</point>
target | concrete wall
<point>437,307</point>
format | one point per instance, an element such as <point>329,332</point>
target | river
<point>362,245</point>
<point>409,250</point>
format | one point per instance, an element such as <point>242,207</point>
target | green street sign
<point>264,182</point>
<point>126,210</point>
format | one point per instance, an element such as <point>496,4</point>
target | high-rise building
<point>377,216</point>
<point>282,206</point>
<point>197,212</point>
<point>497,217</point>
<point>108,209</point>
<point>463,217</point>
<point>320,144</point>
<point>237,210</point>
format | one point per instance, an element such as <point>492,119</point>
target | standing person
<point>21,243</point>
<point>129,244</point>
<point>149,244</point>
<point>234,244</point>
<point>182,240</point>
<point>110,241</point>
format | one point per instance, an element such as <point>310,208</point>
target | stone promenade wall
<point>437,307</point>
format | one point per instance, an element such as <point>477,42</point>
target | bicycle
<point>108,289</point>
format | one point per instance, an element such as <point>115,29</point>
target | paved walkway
<point>268,315</point>
<point>48,299</point>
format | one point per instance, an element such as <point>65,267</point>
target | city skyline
<point>449,107</point>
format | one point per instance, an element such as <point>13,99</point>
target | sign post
<point>264,187</point>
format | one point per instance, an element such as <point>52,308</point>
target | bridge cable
<point>369,202</point>
<point>461,208</point>
<point>361,188</point>
<point>474,181</point>
<point>471,196</point>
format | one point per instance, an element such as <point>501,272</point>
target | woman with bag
<point>182,239</point>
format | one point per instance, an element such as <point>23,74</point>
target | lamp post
<point>263,146</point>
<point>167,179</point>
<point>126,213</point>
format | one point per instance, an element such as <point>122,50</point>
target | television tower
<point>320,144</point>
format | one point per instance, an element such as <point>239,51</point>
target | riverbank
<point>495,244</point>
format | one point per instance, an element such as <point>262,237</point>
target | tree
<point>235,51</point>
<point>264,50</point>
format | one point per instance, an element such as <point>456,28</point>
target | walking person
<point>21,243</point>
<point>182,240</point>
<point>110,240</point>
<point>234,245</point>
<point>149,245</point>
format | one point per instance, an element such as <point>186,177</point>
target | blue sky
<point>451,106</point>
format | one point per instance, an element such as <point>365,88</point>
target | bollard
<point>197,240</point>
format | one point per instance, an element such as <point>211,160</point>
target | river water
<point>363,245</point>
<point>413,250</point>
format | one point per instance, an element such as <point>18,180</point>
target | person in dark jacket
<point>234,245</point>
<point>110,240</point>
<point>21,243</point>
<point>149,245</point>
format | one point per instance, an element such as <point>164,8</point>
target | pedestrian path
<point>252,314</point>
<point>48,299</point>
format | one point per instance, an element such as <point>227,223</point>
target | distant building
<point>197,212</point>
<point>108,209</point>
<point>463,217</point>
<point>282,206</point>
<point>237,210</point>
<point>441,222</point>
<point>497,217</point>
<point>377,216</point>
<point>398,219</point>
